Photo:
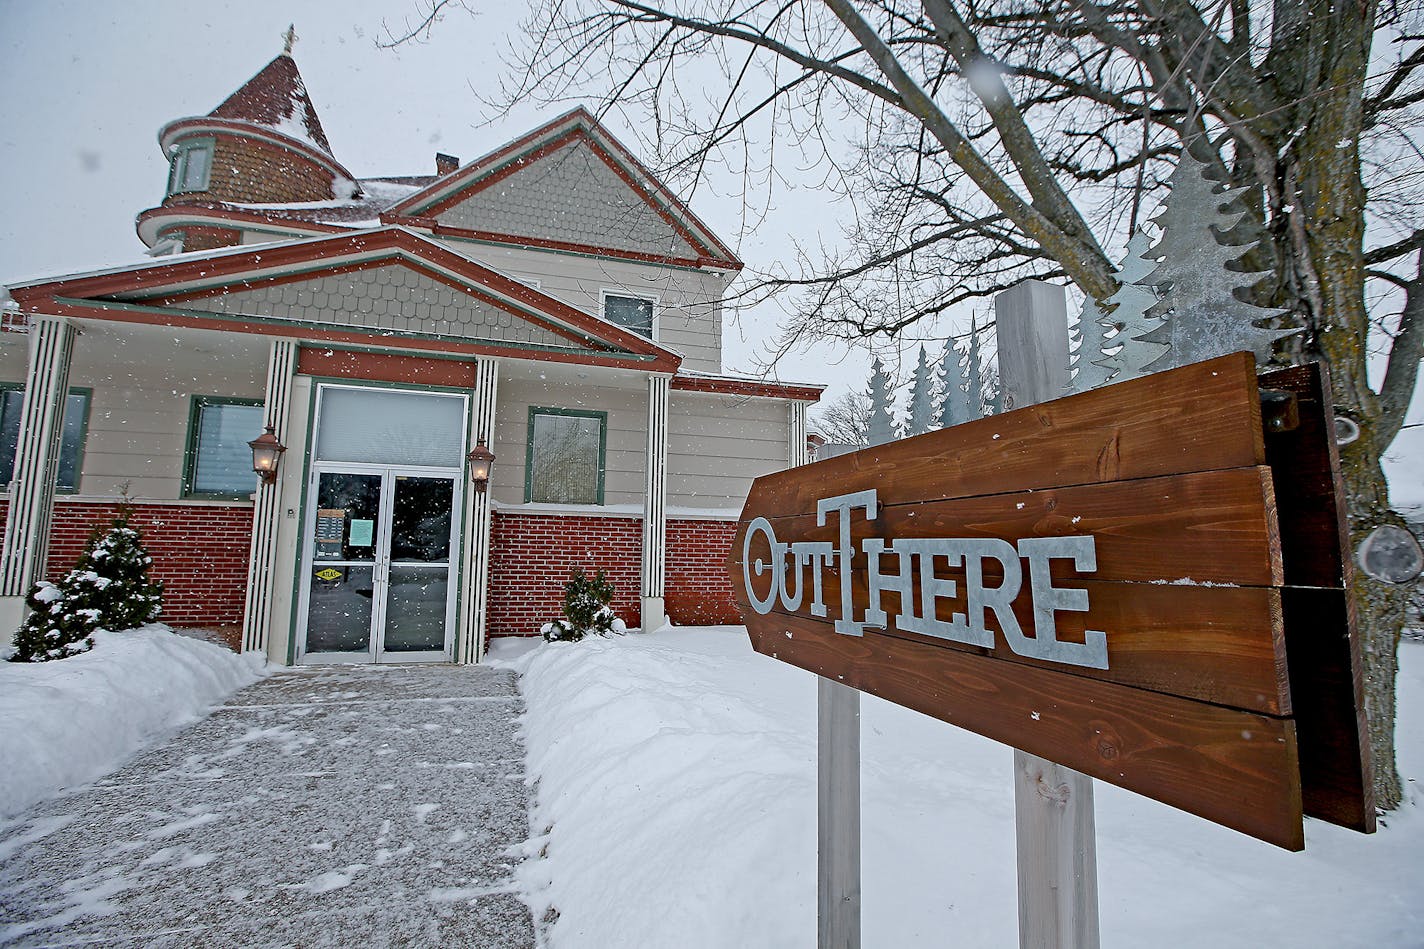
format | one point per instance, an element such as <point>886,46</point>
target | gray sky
<point>85,85</point>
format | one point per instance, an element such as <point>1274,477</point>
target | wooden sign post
<point>1142,583</point>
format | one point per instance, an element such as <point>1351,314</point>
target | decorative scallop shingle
<point>570,195</point>
<point>371,299</point>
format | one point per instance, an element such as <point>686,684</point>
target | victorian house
<point>462,385</point>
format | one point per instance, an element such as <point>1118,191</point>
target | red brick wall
<point>199,552</point>
<point>531,555</point>
<point>699,590</point>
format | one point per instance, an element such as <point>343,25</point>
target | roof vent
<point>444,164</point>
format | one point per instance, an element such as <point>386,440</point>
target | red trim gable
<point>266,264</point>
<point>578,125</point>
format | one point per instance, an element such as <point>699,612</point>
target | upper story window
<point>71,439</point>
<point>631,313</point>
<point>192,163</point>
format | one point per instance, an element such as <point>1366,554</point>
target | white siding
<point>718,444</point>
<point>626,444</point>
<point>138,414</point>
<point>688,313</point>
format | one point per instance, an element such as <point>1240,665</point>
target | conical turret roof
<point>276,98</point>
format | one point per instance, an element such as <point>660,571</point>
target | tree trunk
<point>1320,176</point>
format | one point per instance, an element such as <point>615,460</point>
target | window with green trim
<point>631,313</point>
<point>191,166</point>
<point>219,460</point>
<point>566,456</point>
<point>71,442</point>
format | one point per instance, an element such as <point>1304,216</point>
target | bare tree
<point>844,420</point>
<point>1005,139</point>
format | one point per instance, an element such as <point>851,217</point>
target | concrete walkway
<point>344,806</point>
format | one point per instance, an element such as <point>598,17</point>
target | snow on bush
<point>675,805</point>
<point>71,722</point>
<point>109,588</point>
<point>586,609</point>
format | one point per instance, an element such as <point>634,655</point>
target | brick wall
<point>199,552</point>
<point>532,555</point>
<point>699,590</point>
<point>254,172</point>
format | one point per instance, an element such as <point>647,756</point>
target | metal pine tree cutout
<point>922,400</point>
<point>1203,317</point>
<point>881,426</point>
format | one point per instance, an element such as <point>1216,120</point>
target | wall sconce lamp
<point>481,461</point>
<point>266,452</point>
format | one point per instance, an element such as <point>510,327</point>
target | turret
<point>263,145</point>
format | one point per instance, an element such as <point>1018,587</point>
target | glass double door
<point>378,566</point>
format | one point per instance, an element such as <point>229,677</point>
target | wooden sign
<point>1103,581</point>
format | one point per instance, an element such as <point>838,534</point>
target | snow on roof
<point>276,98</point>
<point>739,377</point>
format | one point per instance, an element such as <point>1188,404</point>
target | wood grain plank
<point>1232,767</point>
<point>1137,429</point>
<point>1336,772</point>
<point>1223,646</point>
<point>1207,527</point>
<point>1305,467</point>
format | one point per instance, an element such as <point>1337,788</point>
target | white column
<point>475,581</point>
<point>655,506</point>
<point>1057,843</point>
<point>22,558</point>
<point>267,508</point>
<point>798,434</point>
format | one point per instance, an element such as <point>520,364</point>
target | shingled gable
<point>399,275</point>
<point>568,185</point>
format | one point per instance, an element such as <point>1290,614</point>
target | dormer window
<point>192,161</point>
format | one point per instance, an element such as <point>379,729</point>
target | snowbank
<point>74,720</point>
<point>676,806</point>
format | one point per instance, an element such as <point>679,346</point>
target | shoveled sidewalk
<point>345,806</point>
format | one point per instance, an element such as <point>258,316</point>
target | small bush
<point>586,609</point>
<point>108,589</point>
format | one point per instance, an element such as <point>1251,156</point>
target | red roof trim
<point>544,244</point>
<point>316,334</point>
<point>215,269</point>
<point>208,211</point>
<point>752,387</point>
<point>277,280</point>
<point>241,129</point>
<point>582,125</point>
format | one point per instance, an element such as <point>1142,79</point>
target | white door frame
<point>388,473</point>
<point>380,564</point>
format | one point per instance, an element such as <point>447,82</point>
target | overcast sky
<point>85,87</point>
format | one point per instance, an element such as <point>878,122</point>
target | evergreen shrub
<point>586,609</point>
<point>108,589</point>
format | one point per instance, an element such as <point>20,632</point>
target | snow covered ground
<point>74,720</point>
<point>676,801</point>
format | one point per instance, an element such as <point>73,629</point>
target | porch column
<point>475,580</point>
<point>798,434</point>
<point>655,506</point>
<point>22,559</point>
<point>267,509</point>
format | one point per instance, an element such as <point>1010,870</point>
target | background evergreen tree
<point>108,589</point>
<point>954,403</point>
